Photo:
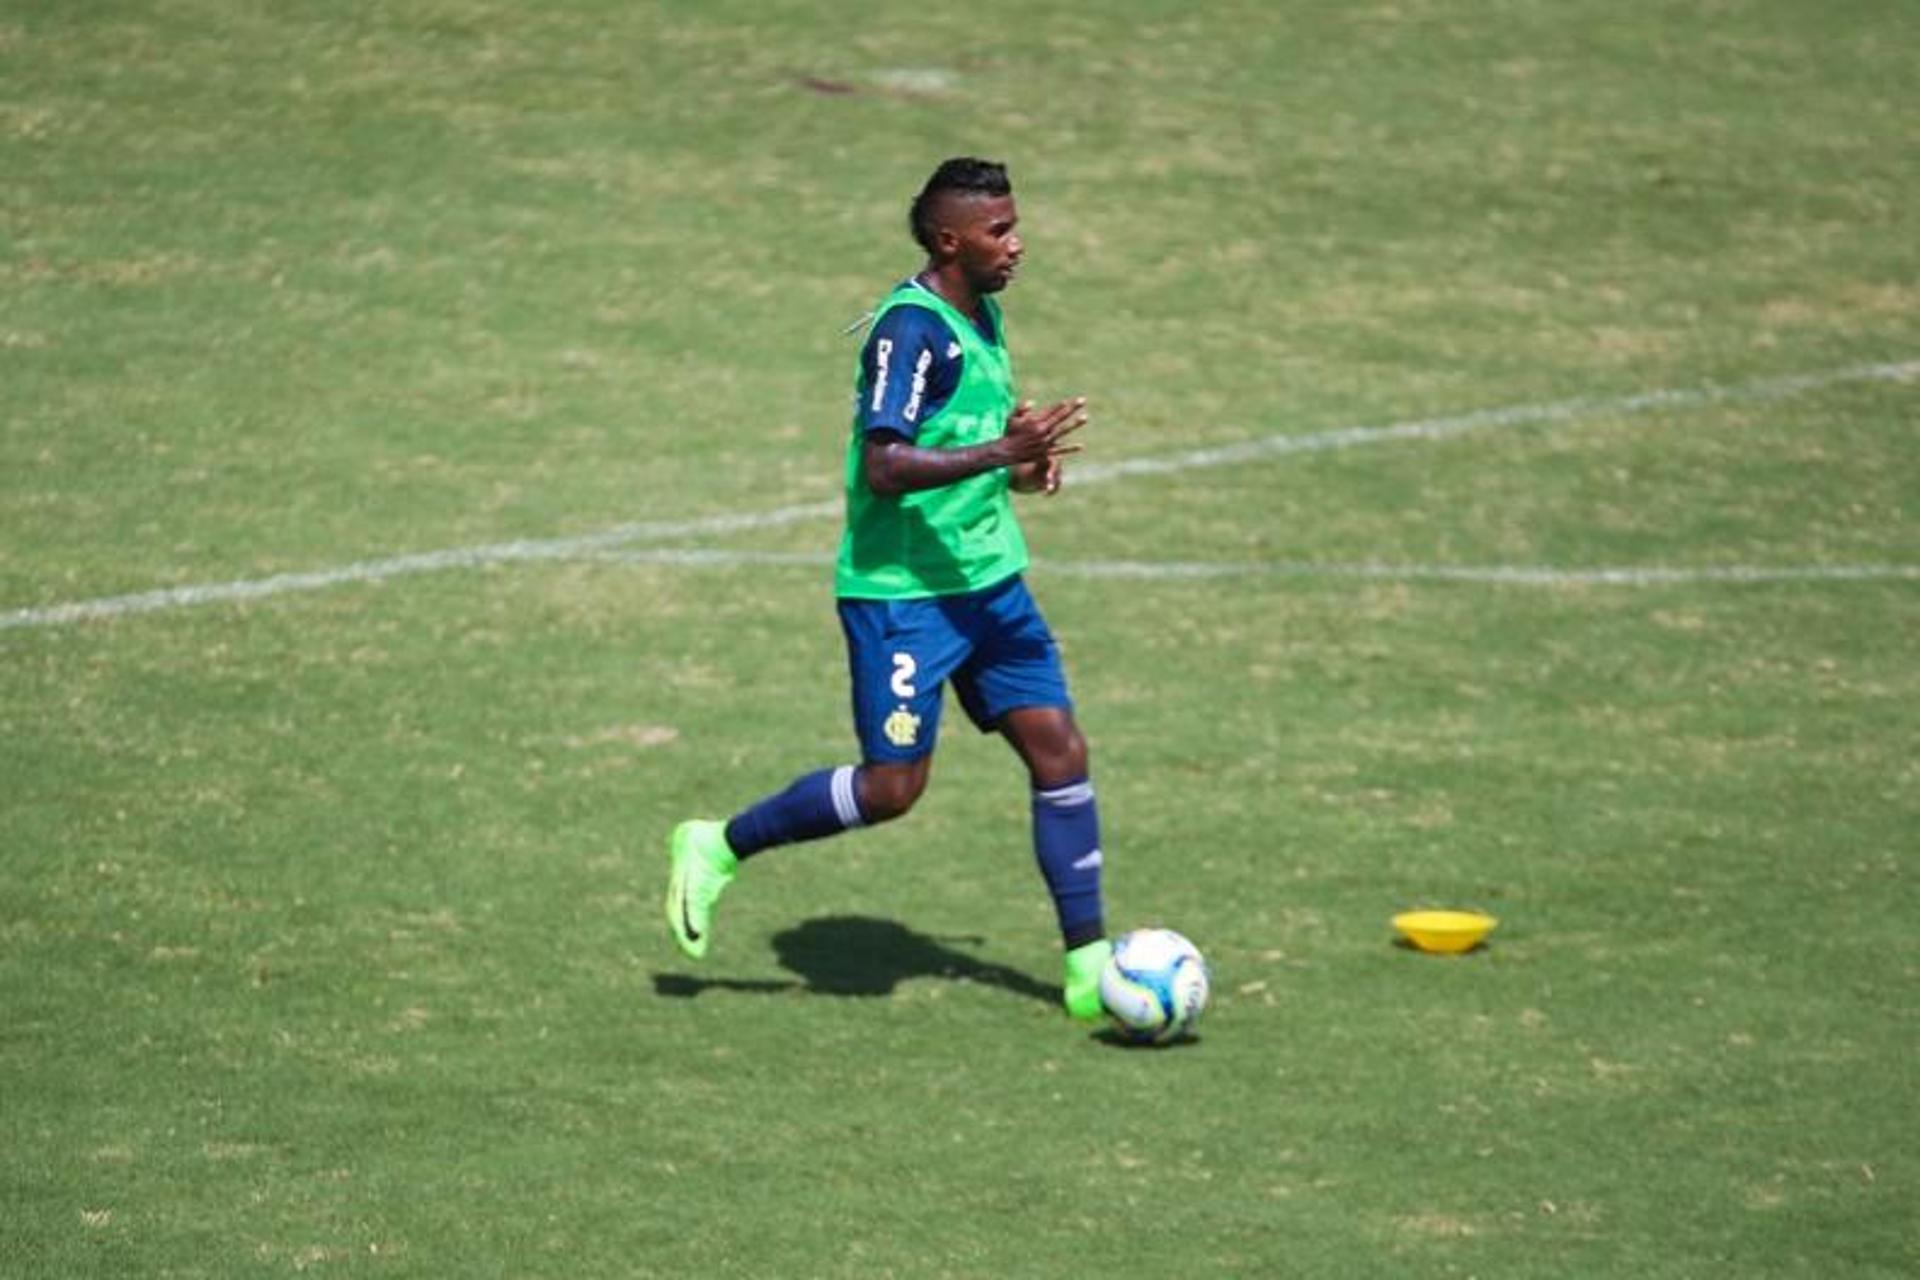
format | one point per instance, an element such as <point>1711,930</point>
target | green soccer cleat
<point>703,866</point>
<point>1083,980</point>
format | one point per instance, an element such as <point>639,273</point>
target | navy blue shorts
<point>992,645</point>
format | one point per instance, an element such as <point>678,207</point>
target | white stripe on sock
<point>1066,797</point>
<point>846,805</point>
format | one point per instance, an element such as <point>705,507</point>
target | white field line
<point>1175,570</point>
<point>1438,428</point>
<point>1764,389</point>
<point>363,571</point>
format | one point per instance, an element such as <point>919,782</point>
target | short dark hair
<point>962,175</point>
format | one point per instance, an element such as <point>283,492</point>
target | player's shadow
<point>862,956</point>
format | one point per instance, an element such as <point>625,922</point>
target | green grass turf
<point>329,938</point>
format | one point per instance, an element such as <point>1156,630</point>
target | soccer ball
<point>1155,986</point>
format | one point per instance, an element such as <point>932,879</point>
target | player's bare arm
<point>1036,438</point>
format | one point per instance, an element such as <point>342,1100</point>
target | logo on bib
<point>902,728</point>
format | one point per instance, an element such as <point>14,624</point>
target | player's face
<point>985,240</point>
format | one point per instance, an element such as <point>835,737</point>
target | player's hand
<point>1042,477</point>
<point>1034,434</point>
<point>1050,483</point>
<point>1040,435</point>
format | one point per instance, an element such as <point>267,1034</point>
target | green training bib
<point>938,542</point>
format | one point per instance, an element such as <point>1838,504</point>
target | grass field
<point>328,928</point>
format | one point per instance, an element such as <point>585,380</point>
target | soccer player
<point>929,583</point>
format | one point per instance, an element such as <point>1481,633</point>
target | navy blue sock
<point>1066,840</point>
<point>819,804</point>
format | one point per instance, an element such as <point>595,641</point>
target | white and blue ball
<point>1155,986</point>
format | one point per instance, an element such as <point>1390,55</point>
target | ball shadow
<point>862,956</point>
<point>1113,1039</point>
